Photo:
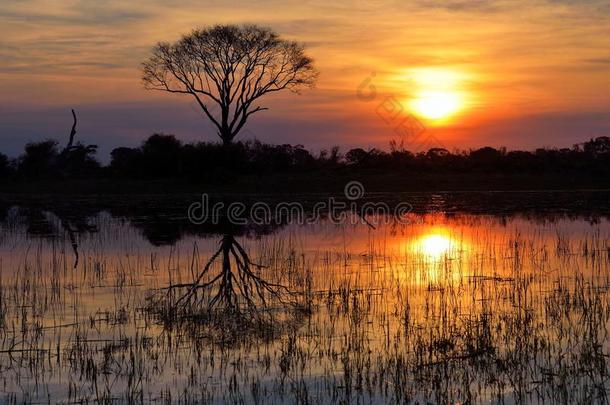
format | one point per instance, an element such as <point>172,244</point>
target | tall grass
<point>488,310</point>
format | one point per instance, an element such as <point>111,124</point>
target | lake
<point>476,298</point>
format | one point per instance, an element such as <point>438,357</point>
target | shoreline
<point>313,183</point>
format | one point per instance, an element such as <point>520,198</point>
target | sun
<point>437,93</point>
<point>436,105</point>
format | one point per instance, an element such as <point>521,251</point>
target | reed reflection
<point>231,298</point>
<point>160,308</point>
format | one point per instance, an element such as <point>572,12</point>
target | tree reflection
<point>235,288</point>
<point>229,299</point>
<point>46,223</point>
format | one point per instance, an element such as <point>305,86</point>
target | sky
<point>457,74</point>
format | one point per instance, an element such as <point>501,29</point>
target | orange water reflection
<point>423,292</point>
<point>434,245</point>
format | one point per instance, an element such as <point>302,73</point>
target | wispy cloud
<point>524,55</point>
<point>602,60</point>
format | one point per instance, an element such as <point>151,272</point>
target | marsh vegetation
<point>451,308</point>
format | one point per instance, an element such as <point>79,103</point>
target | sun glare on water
<point>434,245</point>
<point>430,249</point>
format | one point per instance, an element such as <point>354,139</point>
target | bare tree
<point>72,131</point>
<point>227,69</point>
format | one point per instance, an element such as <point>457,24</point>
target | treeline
<point>164,156</point>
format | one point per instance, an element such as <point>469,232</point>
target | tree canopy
<point>227,69</point>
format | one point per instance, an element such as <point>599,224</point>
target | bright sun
<point>437,93</point>
<point>436,104</point>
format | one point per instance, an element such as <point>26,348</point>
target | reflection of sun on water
<point>435,245</point>
<point>432,254</point>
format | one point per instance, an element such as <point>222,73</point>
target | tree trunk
<point>227,138</point>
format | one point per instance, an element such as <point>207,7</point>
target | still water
<point>449,308</point>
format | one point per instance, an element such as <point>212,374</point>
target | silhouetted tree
<point>227,69</point>
<point>329,158</point>
<point>486,157</point>
<point>278,158</point>
<point>4,165</point>
<point>598,146</point>
<point>72,130</point>
<point>161,156</point>
<point>301,157</point>
<point>437,152</point>
<point>164,156</point>
<point>126,161</point>
<point>77,159</point>
<point>39,159</point>
<point>356,156</point>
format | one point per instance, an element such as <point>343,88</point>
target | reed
<point>452,309</point>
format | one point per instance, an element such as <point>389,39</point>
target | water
<point>454,307</point>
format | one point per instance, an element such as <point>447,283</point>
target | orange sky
<point>517,73</point>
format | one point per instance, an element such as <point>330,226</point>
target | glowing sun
<point>436,104</point>
<point>437,93</point>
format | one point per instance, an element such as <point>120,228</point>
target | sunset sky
<point>514,73</point>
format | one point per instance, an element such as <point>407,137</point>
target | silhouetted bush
<point>44,160</point>
<point>487,158</point>
<point>4,166</point>
<point>357,156</point>
<point>598,146</point>
<point>39,159</point>
<point>164,156</point>
<point>126,162</point>
<point>278,158</point>
<point>78,161</point>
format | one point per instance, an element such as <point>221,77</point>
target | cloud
<point>82,13</point>
<point>483,6</point>
<point>86,54</point>
<point>601,61</point>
